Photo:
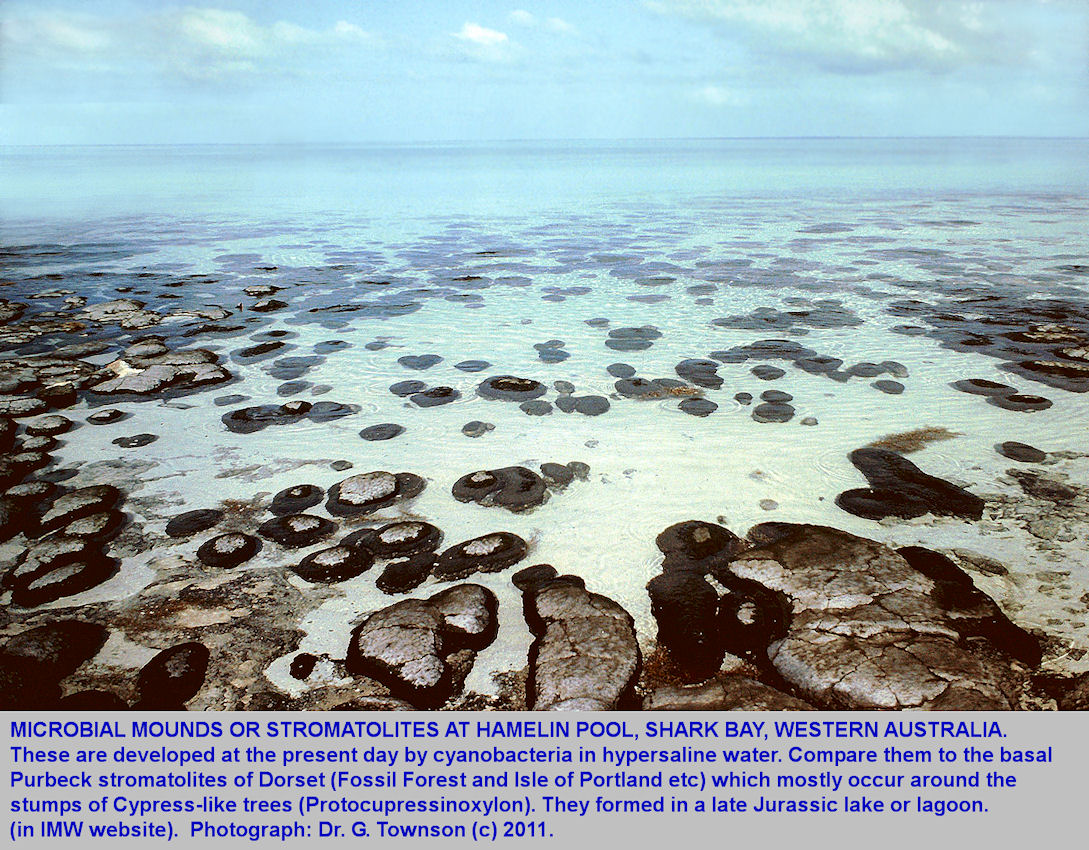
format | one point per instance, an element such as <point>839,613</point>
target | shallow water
<point>480,253</point>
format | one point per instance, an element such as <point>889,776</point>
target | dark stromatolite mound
<point>476,428</point>
<point>684,604</point>
<point>867,629</point>
<point>420,361</point>
<point>79,503</point>
<point>700,407</point>
<point>98,527</point>
<point>899,488</point>
<point>537,407</point>
<point>434,397</point>
<point>248,420</point>
<point>334,564</point>
<point>971,611</point>
<point>52,425</point>
<point>695,540</point>
<point>530,578</point>
<point>888,387</point>
<point>193,522</point>
<point>983,387</point>
<point>1021,452</point>
<point>510,388</point>
<point>68,579</point>
<point>370,491</point>
<point>33,662</point>
<point>407,645</point>
<point>773,411</point>
<point>226,551</point>
<point>1020,402</point>
<point>402,574</point>
<point>515,488</point>
<point>383,431</point>
<point>172,678</point>
<point>644,388</point>
<point>729,693</point>
<point>489,553</point>
<point>620,370</point>
<point>399,539</point>
<point>702,373</point>
<point>1042,487</point>
<point>767,373</point>
<point>584,655</point>
<point>297,530</point>
<point>632,339</point>
<point>136,441</point>
<point>472,365</point>
<point>407,388</point>
<point>294,500</point>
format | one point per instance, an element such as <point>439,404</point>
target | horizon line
<point>537,140</point>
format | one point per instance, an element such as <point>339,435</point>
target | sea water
<point>849,247</point>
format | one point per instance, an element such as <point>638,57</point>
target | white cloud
<point>855,36</point>
<point>485,44</point>
<point>558,25</point>
<point>522,18</point>
<point>200,43</point>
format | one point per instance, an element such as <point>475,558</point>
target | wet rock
<point>510,388</point>
<point>435,396</point>
<point>899,488</point>
<point>60,581</point>
<point>695,540</point>
<point>869,630</point>
<point>476,428</point>
<point>1021,452</point>
<point>1020,402</point>
<point>888,387</point>
<point>489,553</point>
<point>1041,487</point>
<point>406,646</point>
<point>369,491</point>
<point>419,362</point>
<point>767,373</point>
<point>407,388</point>
<point>702,373</point>
<point>632,339</point>
<point>193,522</point>
<point>515,488</point>
<point>179,372</point>
<point>296,531</point>
<point>384,431</point>
<point>79,503</point>
<point>126,312</point>
<point>557,475</point>
<point>294,500</point>
<point>302,665</point>
<point>268,305</point>
<point>730,693</point>
<point>983,387</point>
<point>529,579</point>
<point>399,539</point>
<point>226,551</point>
<point>537,407</point>
<point>172,678</point>
<point>584,654</point>
<point>685,606</point>
<point>472,365</point>
<point>49,426</point>
<point>96,527</point>
<point>52,651</point>
<point>335,564</point>
<point>401,575</point>
<point>136,441</point>
<point>773,412</point>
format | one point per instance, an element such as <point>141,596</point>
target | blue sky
<point>367,71</point>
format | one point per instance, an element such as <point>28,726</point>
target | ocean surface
<point>580,263</point>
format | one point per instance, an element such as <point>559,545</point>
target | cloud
<point>196,43</point>
<point>485,44</point>
<point>522,18</point>
<point>860,36</point>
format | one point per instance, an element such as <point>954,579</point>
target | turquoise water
<point>926,252</point>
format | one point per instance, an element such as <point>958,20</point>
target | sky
<point>382,71</point>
